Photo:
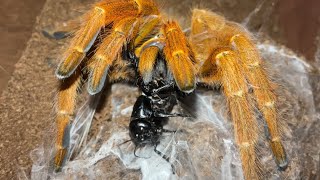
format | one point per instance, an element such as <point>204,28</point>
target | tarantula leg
<point>81,43</point>
<point>147,54</point>
<point>179,57</point>
<point>225,61</point>
<point>149,50</point>
<point>207,32</point>
<point>146,63</point>
<point>102,14</point>
<point>65,111</point>
<point>263,92</point>
<point>108,51</point>
<point>147,7</point>
<point>208,73</point>
<point>121,9</point>
<point>150,24</point>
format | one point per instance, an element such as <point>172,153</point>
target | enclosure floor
<point>17,20</point>
<point>16,24</point>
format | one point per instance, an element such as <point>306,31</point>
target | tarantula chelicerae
<point>133,33</point>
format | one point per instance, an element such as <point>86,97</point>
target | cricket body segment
<point>133,40</point>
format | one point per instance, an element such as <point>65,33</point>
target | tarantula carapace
<point>215,51</point>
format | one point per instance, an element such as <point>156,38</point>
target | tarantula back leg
<point>236,91</point>
<point>65,112</point>
<point>237,66</point>
<point>262,90</point>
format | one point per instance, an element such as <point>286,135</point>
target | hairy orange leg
<point>65,112</point>
<point>81,43</point>
<point>147,7</point>
<point>103,13</point>
<point>179,56</point>
<point>224,66</point>
<point>262,90</point>
<point>147,62</point>
<point>149,25</point>
<point>147,54</point>
<point>108,51</point>
<point>121,71</point>
<point>123,31</point>
<point>208,32</point>
<point>227,70</point>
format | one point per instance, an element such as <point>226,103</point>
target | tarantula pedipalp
<point>216,52</point>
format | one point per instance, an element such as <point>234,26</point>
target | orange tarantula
<point>215,51</point>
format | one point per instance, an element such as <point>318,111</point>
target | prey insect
<point>215,52</point>
<point>152,110</point>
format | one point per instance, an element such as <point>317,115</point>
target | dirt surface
<point>26,110</point>
<point>17,19</point>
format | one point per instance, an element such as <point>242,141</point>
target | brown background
<point>17,19</point>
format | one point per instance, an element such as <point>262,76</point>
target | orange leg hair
<point>65,112</point>
<point>147,54</point>
<point>81,43</point>
<point>102,13</point>
<point>266,99</point>
<point>123,17</point>
<point>236,91</point>
<point>179,56</point>
<point>219,52</point>
<point>234,66</point>
<point>146,63</point>
<point>108,51</point>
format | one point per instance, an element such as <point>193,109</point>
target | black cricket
<point>153,107</point>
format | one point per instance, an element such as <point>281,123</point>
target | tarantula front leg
<point>101,15</point>
<point>65,111</point>
<point>179,56</point>
<point>120,15</point>
<point>108,51</point>
<point>81,43</point>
